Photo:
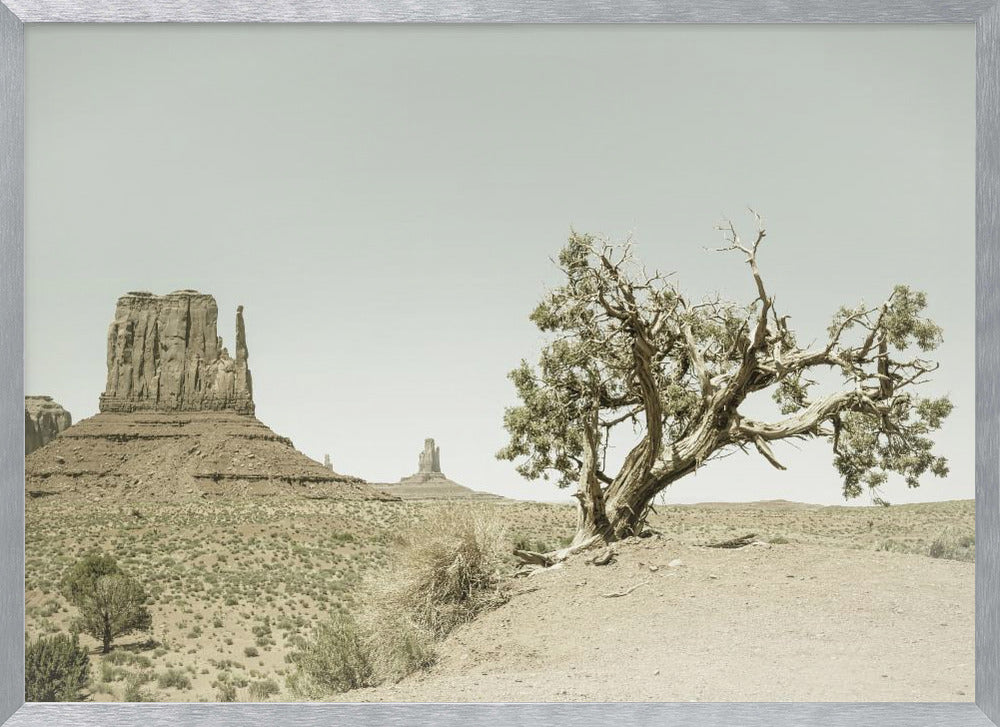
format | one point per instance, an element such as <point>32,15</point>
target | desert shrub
<point>780,540</point>
<point>226,692</point>
<point>951,547</point>
<point>173,678</point>
<point>134,692</point>
<point>251,651</point>
<point>445,570</point>
<point>336,659</point>
<point>56,669</point>
<point>449,568</point>
<point>260,691</point>
<point>110,603</point>
<point>400,647</point>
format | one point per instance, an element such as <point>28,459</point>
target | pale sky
<point>385,201</point>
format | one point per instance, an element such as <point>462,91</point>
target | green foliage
<point>134,692</point>
<point>334,660</point>
<point>260,691</point>
<point>56,669</point>
<point>226,692</point>
<point>173,678</point>
<point>80,581</point>
<point>870,446</point>
<point>624,345</point>
<point>111,604</point>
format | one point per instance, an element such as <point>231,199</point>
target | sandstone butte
<point>43,420</point>
<point>429,482</point>
<point>176,418</point>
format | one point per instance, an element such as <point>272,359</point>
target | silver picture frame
<point>985,14</point>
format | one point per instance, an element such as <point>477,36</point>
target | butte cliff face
<point>43,420</point>
<point>165,354</point>
<point>176,419</point>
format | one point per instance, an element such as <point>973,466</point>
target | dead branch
<point>619,594</point>
<point>739,542</point>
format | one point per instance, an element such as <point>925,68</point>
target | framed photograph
<point>550,363</point>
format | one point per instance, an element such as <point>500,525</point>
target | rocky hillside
<point>43,420</point>
<point>171,455</point>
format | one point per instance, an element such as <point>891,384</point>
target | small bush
<point>260,691</point>
<point>173,678</point>
<point>335,660</point>
<point>133,689</point>
<point>447,569</point>
<point>226,692</point>
<point>450,568</point>
<point>251,651</point>
<point>56,669</point>
<point>954,548</point>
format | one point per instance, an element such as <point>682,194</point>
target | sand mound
<point>166,456</point>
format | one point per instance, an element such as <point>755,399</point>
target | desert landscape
<point>840,603</point>
<point>178,549</point>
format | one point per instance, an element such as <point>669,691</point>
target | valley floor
<point>844,604</point>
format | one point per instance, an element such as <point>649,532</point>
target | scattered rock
<point>675,563</point>
<point>604,557</point>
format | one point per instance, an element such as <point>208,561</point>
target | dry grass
<point>446,569</point>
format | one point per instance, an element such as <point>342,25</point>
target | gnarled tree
<point>627,348</point>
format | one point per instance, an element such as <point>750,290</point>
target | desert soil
<point>780,623</point>
<point>846,604</point>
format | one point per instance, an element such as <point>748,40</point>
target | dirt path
<point>780,623</point>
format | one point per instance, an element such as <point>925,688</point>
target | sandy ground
<point>843,597</point>
<point>796,622</point>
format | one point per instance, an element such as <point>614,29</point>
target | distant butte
<point>43,420</point>
<point>429,483</point>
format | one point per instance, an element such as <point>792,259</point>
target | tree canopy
<point>627,348</point>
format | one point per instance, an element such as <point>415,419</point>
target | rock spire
<point>429,461</point>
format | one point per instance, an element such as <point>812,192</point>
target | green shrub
<point>226,692</point>
<point>335,660</point>
<point>260,691</point>
<point>954,548</point>
<point>56,669</point>
<point>111,604</point>
<point>173,678</point>
<point>133,689</point>
<point>251,651</point>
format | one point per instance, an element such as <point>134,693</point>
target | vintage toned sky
<point>385,202</point>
